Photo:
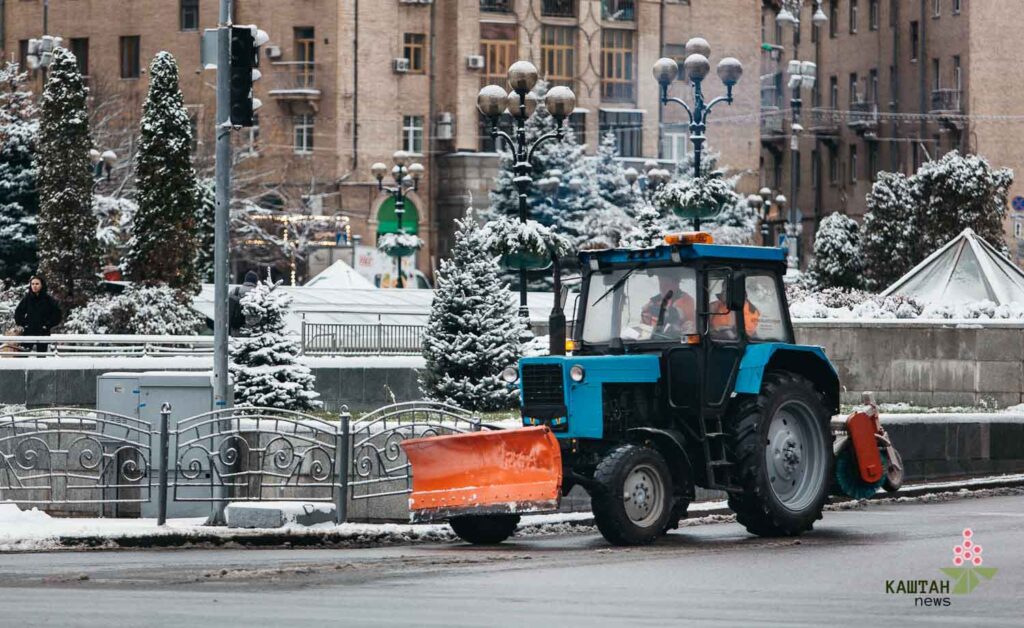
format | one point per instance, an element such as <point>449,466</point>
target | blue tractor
<point>683,372</point>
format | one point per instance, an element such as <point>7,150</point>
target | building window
<point>833,92</point>
<point>414,45</point>
<point>252,138</point>
<point>956,7</point>
<point>303,138</point>
<point>853,164</point>
<point>893,84</point>
<point>495,6</point>
<point>558,55</point>
<point>873,86</point>
<point>915,155</point>
<point>412,134</point>
<point>674,141</point>
<point>854,16</point>
<point>578,125</point>
<point>619,10</point>
<point>489,144</point>
<point>936,76</point>
<point>80,48</point>
<point>189,15</point>
<point>498,48</point>
<point>617,59</point>
<point>777,171</point>
<point>833,18</point>
<point>873,19</point>
<point>873,160</point>
<point>628,127</point>
<point>936,8</point>
<point>957,76</point>
<point>914,41</point>
<point>815,169</point>
<point>853,88</point>
<point>130,57</point>
<point>305,43</point>
<point>833,166</point>
<point>557,8</point>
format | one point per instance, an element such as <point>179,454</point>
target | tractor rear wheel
<point>632,501</point>
<point>484,529</point>
<point>782,446</point>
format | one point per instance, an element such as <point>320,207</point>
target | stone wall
<point>924,363</point>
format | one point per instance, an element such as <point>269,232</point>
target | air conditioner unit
<point>445,125</point>
<point>273,52</point>
<point>401,65</point>
<point>475,62</point>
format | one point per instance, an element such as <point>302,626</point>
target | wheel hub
<point>794,466</point>
<point>643,494</point>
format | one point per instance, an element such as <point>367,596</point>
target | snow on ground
<point>113,363</point>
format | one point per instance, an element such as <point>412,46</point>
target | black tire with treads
<point>484,529</point>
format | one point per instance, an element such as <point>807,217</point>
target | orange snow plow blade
<point>502,471</point>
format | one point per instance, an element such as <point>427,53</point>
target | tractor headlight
<point>510,375</point>
<point>576,373</point>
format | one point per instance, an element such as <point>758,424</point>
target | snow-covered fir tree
<point>577,195</point>
<point>68,251</point>
<point>647,230</point>
<point>19,200</point>
<point>837,262</point>
<point>147,310</point>
<point>114,219</point>
<point>890,235</point>
<point>265,360</point>
<point>473,330</point>
<point>206,209</point>
<point>163,245</point>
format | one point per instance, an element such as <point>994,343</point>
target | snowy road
<point>710,574</point>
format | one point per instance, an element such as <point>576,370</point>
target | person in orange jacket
<point>723,321</point>
<point>673,311</point>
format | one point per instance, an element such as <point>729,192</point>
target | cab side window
<point>721,321</point>
<point>762,314</point>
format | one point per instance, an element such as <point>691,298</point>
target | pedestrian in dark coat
<point>235,317</point>
<point>37,313</point>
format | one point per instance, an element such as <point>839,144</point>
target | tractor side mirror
<point>736,294</point>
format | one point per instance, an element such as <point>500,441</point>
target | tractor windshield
<point>641,304</point>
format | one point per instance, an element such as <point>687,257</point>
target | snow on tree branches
<point>163,245</point>
<point>265,360</point>
<point>837,261</point>
<point>473,330</point>
<point>147,310</point>
<point>68,252</point>
<point>19,199</point>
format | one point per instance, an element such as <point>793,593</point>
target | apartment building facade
<point>899,82</point>
<point>348,82</point>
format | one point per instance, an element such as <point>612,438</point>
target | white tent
<point>339,276</point>
<point>966,270</point>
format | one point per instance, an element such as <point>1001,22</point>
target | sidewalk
<point>33,530</point>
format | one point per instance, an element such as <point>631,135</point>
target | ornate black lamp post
<point>520,103</point>
<point>695,69</point>
<point>407,177</point>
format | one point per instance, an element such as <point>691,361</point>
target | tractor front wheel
<point>484,529</point>
<point>783,454</point>
<point>632,501</point>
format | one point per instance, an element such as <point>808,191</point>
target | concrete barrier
<point>924,363</point>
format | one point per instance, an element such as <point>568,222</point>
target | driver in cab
<point>672,313</point>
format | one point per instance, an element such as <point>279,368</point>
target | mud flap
<point>492,472</point>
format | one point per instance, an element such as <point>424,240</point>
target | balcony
<point>863,116</point>
<point>946,101</point>
<point>772,128</point>
<point>558,8</point>
<point>823,122</point>
<point>495,6</point>
<point>618,10</point>
<point>293,80</point>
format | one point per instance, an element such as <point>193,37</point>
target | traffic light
<point>245,58</point>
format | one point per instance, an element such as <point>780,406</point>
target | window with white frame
<point>936,8</point>
<point>412,134</point>
<point>674,139</point>
<point>956,7</point>
<point>252,136</point>
<point>303,134</point>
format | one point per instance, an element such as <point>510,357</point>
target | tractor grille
<point>542,385</point>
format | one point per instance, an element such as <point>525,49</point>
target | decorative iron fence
<point>74,456</point>
<point>362,338</point>
<point>64,456</point>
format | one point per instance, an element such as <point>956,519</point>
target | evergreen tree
<point>647,230</point>
<point>19,200</point>
<point>473,330</point>
<point>610,176</point>
<point>68,251</point>
<point>163,245</point>
<point>890,236</point>
<point>265,361</point>
<point>206,209</point>
<point>837,262</point>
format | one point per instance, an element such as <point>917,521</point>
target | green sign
<point>387,220</point>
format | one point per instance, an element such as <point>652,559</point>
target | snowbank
<point>858,305</point>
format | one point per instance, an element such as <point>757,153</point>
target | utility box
<point>141,395</point>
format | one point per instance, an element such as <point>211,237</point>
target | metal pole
<point>221,394</point>
<point>556,322</point>
<point>399,212</point>
<point>165,415</point>
<point>697,137</point>
<point>522,181</point>
<point>342,456</point>
<point>795,104</point>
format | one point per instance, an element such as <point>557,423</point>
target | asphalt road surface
<point>703,575</point>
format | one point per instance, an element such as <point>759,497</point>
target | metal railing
<point>558,8</point>
<point>377,338</point>
<point>293,78</point>
<point>496,6</point>
<point>863,115</point>
<point>100,345</point>
<point>772,123</point>
<point>823,121</point>
<point>946,100</point>
<point>618,10</point>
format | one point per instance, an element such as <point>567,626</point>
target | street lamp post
<point>102,164</point>
<point>652,178</point>
<point>407,177</point>
<point>802,74</point>
<point>695,68</point>
<point>520,103</point>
